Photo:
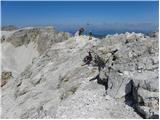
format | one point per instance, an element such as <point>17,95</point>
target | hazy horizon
<point>99,17</point>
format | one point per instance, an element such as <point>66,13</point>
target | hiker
<point>90,35</point>
<point>81,30</point>
<point>102,77</point>
<point>87,60</point>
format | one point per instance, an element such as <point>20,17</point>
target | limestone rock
<point>55,84</point>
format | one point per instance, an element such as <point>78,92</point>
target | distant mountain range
<point>8,28</point>
<point>100,30</point>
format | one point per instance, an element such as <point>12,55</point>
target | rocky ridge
<point>124,74</point>
<point>20,47</point>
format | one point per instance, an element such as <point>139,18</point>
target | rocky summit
<point>50,74</point>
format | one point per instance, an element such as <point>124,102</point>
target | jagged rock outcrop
<point>56,85</point>
<point>22,46</point>
<point>133,71</point>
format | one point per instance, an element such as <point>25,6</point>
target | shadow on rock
<point>101,82</point>
<point>131,98</point>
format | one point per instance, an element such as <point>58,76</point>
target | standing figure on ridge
<point>81,30</point>
<point>90,35</point>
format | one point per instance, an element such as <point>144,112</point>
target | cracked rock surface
<point>56,85</point>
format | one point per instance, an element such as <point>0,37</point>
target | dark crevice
<point>132,99</point>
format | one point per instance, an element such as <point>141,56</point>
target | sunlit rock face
<point>20,47</point>
<point>50,80</point>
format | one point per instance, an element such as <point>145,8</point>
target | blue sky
<point>70,15</point>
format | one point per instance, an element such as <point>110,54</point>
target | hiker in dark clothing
<point>90,35</point>
<point>81,30</point>
<point>87,60</point>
